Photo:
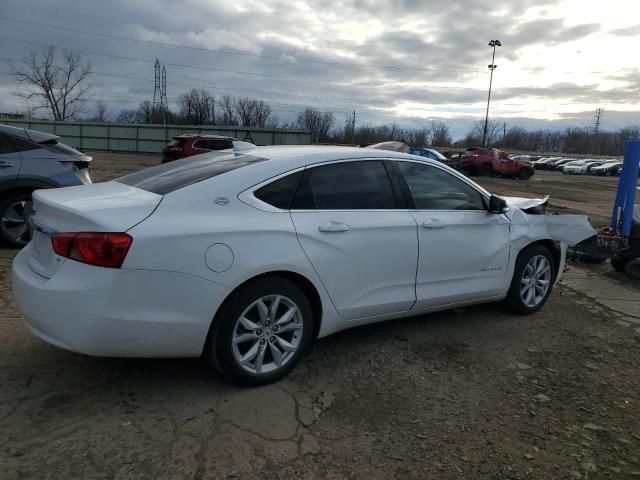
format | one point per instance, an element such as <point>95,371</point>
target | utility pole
<point>353,129</point>
<point>492,67</point>
<point>504,132</point>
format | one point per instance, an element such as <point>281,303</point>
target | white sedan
<point>248,255</point>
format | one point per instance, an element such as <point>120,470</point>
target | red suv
<point>491,161</point>
<point>188,145</point>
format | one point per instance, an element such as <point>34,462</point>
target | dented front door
<point>463,256</point>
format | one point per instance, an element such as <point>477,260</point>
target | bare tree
<point>317,122</point>
<point>197,107</point>
<point>127,116</point>
<point>146,113</point>
<point>474,136</point>
<point>60,86</point>
<point>440,135</point>
<point>252,113</point>
<point>227,107</point>
<point>100,112</point>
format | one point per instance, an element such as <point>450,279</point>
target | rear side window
<point>21,145</point>
<point>359,185</point>
<point>5,146</point>
<point>435,189</point>
<point>279,193</point>
<point>172,176</point>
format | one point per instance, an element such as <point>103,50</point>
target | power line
<point>232,52</point>
<point>217,69</point>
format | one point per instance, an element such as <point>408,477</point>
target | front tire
<point>15,211</point>
<point>261,332</point>
<point>532,281</point>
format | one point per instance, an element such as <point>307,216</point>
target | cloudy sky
<point>406,61</point>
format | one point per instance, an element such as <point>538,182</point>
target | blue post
<point>626,194</point>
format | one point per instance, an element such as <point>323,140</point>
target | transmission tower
<point>596,122</point>
<point>163,95</point>
<point>157,92</point>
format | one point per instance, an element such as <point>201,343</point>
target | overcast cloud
<point>405,61</point>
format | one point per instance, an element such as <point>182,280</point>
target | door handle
<point>333,227</point>
<point>6,165</point>
<point>433,223</point>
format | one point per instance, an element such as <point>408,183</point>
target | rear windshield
<point>176,142</point>
<point>172,176</point>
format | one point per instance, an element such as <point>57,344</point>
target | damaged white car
<point>247,255</point>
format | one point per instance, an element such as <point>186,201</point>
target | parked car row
<point>585,166</point>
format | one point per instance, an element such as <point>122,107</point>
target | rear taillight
<point>94,248</point>
<point>176,149</point>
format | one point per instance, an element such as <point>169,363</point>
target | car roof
<point>27,134</point>
<point>212,137</point>
<point>301,155</point>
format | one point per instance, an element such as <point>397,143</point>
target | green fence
<point>122,137</point>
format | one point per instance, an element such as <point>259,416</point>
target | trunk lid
<point>102,207</point>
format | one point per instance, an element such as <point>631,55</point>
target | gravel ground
<point>472,393</point>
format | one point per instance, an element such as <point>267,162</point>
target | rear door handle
<point>433,223</point>
<point>6,165</point>
<point>333,227</point>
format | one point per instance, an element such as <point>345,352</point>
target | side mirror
<point>497,204</point>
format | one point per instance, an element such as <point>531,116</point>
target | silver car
<point>29,161</point>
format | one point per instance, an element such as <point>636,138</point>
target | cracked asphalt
<point>471,393</point>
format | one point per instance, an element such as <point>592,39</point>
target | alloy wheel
<point>15,221</point>
<point>535,281</point>
<point>267,334</point>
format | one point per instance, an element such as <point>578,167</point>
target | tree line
<point>582,140</point>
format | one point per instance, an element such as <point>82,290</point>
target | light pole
<point>492,67</point>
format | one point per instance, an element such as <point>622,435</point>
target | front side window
<point>357,185</point>
<point>434,189</point>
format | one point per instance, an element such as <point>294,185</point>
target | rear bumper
<point>117,312</point>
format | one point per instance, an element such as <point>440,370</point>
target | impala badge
<point>222,201</point>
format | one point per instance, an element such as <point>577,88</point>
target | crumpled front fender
<point>569,229</point>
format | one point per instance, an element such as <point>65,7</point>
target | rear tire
<point>485,170</point>
<point>15,211</point>
<point>532,281</point>
<point>632,269</point>
<point>248,343</point>
<point>524,174</point>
